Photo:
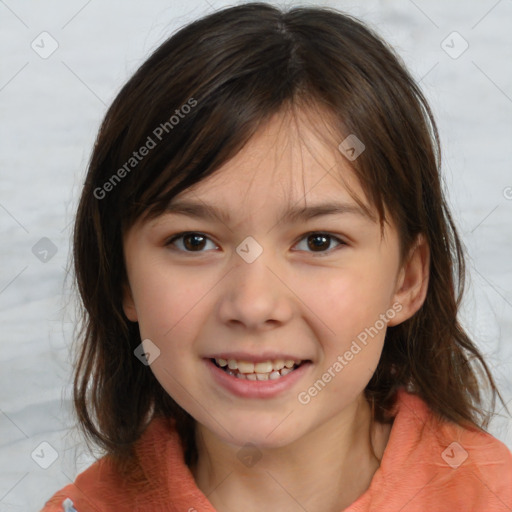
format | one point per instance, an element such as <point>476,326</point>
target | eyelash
<point>341,242</point>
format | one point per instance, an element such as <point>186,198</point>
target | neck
<point>324,471</point>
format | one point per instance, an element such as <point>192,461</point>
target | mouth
<point>265,377</point>
<point>260,371</point>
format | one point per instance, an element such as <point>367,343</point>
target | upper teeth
<point>262,367</point>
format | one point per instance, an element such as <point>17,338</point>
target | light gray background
<point>51,109</point>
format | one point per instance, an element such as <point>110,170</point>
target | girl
<point>271,278</point>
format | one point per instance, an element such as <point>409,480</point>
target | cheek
<point>171,306</point>
<point>156,301</point>
<point>351,305</point>
<point>171,313</point>
<point>352,300</point>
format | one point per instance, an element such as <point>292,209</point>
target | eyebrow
<point>294,214</point>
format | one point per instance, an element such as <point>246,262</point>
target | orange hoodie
<point>424,468</point>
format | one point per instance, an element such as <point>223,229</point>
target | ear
<point>129,304</point>
<point>412,281</point>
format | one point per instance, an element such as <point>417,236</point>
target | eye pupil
<point>194,245</point>
<point>321,245</point>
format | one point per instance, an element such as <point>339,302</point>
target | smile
<point>265,370</point>
<point>266,379</point>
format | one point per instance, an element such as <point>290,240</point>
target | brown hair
<point>233,70</point>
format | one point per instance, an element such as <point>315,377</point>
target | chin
<point>267,432</point>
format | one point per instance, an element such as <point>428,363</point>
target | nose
<point>255,296</point>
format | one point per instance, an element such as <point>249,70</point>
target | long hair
<point>192,105</point>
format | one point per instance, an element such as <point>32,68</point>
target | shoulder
<point>102,487</point>
<point>432,464</point>
<point>96,488</point>
<point>460,446</point>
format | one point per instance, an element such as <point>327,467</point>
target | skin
<point>292,298</point>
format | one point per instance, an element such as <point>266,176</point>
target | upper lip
<point>256,358</point>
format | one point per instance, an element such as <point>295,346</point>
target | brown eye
<point>193,242</point>
<point>320,243</point>
<point>189,242</point>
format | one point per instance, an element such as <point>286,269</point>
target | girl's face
<point>252,284</point>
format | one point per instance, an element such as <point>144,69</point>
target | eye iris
<point>193,245</point>
<point>322,245</point>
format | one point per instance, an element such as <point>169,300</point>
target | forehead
<point>293,158</point>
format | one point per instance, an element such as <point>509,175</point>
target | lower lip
<point>256,388</point>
